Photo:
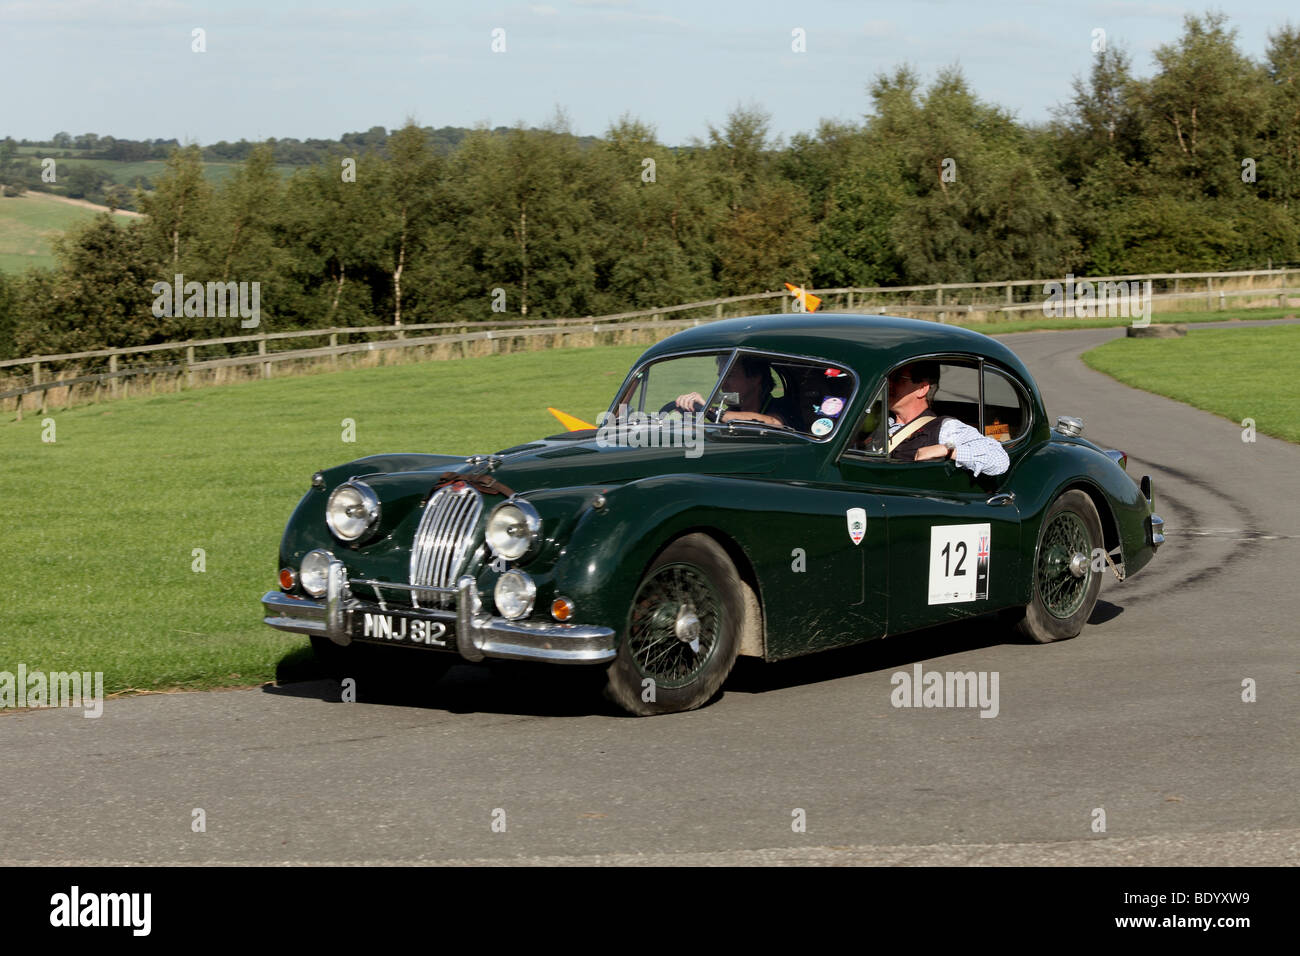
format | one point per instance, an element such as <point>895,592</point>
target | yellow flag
<point>568,421</point>
<point>810,301</point>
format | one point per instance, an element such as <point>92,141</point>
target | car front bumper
<point>477,634</point>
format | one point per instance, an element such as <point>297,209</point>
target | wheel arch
<point>1109,523</point>
<point>753,627</point>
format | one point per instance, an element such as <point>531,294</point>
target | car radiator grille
<point>443,539</point>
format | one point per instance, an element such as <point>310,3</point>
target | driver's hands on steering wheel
<point>690,402</point>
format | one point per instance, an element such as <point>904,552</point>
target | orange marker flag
<point>568,421</point>
<point>810,301</point>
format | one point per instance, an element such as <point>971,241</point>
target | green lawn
<point>98,557</point>
<point>1236,373</point>
<point>28,223</point>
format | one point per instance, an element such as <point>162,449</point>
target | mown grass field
<point>29,222</point>
<point>1236,373</point>
<point>123,172</point>
<point>98,541</point>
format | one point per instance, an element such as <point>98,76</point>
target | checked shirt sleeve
<point>979,453</point>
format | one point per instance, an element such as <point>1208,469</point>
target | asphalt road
<point>1141,716</point>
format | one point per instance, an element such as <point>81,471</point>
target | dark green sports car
<point>742,495</point>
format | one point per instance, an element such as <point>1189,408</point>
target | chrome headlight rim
<point>369,500</point>
<point>532,523</point>
<point>528,588</point>
<point>305,576</point>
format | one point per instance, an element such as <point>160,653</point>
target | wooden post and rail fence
<point>967,301</point>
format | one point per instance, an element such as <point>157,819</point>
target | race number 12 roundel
<point>959,563</point>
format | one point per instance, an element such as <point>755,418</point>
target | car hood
<point>579,458</point>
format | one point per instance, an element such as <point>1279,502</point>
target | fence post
<point>334,341</point>
<point>1008,293</point>
<point>19,407</point>
<point>717,311</point>
<point>938,300</point>
<point>261,350</point>
<point>112,382</point>
<point>1209,294</point>
<point>36,380</point>
<point>850,300</point>
<point>189,366</point>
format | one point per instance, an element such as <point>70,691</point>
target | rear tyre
<point>683,631</point>
<point>1065,586</point>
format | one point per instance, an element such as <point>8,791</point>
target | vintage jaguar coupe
<point>678,536</point>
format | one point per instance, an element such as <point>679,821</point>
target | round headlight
<point>514,595</point>
<point>314,571</point>
<point>353,508</point>
<point>512,529</point>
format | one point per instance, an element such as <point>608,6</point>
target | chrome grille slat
<point>442,538</point>
<point>445,538</point>
<point>450,560</point>
<point>436,538</point>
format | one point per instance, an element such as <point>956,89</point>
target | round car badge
<point>822,426</point>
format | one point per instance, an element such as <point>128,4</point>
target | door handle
<point>1002,499</point>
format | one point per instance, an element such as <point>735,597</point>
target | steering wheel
<point>672,407</point>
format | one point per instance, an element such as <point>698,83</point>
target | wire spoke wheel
<point>675,626</point>
<point>1065,587</point>
<point>1062,586</point>
<point>683,630</point>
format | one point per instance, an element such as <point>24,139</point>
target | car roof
<point>869,344</point>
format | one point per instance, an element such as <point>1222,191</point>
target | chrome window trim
<point>979,362</point>
<point>735,352</point>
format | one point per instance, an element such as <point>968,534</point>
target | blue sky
<point>304,69</point>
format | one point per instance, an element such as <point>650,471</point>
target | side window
<point>1006,411</point>
<point>870,435</point>
<point>958,393</point>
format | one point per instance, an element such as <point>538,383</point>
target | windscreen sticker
<point>831,405</point>
<point>822,427</point>
<point>959,563</point>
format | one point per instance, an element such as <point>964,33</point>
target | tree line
<point>1196,167</point>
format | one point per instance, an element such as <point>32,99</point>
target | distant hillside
<point>89,166</point>
<point>29,222</point>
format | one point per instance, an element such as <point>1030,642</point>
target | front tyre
<point>683,631</point>
<point>1065,586</point>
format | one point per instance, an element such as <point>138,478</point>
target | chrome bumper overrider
<point>1153,524</point>
<point>477,634</point>
<point>1155,530</point>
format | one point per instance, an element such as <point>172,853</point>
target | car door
<point>953,539</point>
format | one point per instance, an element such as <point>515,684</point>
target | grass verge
<point>100,558</point>
<point>1159,318</point>
<point>1235,373</point>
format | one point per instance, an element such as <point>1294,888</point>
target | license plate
<point>399,629</point>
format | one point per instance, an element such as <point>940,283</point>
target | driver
<point>751,379</point>
<point>918,433</point>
